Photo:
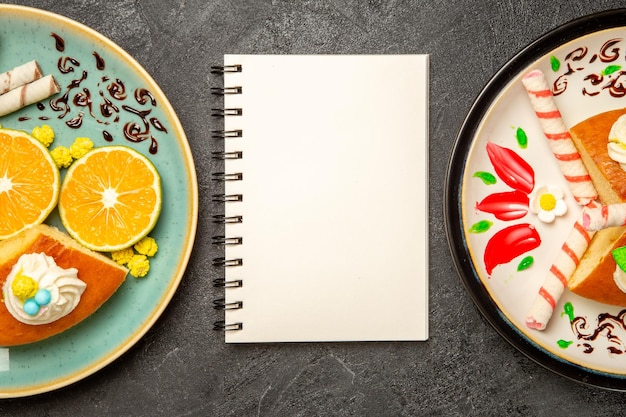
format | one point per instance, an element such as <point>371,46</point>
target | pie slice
<point>102,275</point>
<point>593,277</point>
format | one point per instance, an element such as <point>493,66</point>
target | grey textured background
<point>181,367</point>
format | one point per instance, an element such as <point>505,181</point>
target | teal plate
<point>115,87</point>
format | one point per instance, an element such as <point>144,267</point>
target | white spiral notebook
<point>325,198</point>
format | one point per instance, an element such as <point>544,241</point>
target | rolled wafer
<point>579,183</point>
<point>559,138</point>
<point>555,282</point>
<point>603,216</point>
<point>19,76</point>
<point>28,94</point>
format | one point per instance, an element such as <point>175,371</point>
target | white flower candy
<point>547,203</point>
<point>38,291</point>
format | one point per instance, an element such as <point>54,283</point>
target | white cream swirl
<point>620,278</point>
<point>617,142</point>
<point>63,284</point>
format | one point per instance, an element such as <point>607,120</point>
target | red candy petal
<point>511,168</point>
<point>509,243</point>
<point>510,205</point>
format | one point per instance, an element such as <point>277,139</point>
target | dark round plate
<point>502,115</point>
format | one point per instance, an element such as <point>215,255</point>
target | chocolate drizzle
<point>107,108</point>
<point>62,104</point>
<point>134,133</point>
<point>117,90</point>
<point>76,122</point>
<point>59,42</point>
<point>142,96</point>
<point>66,64</point>
<point>100,64</point>
<point>608,326</point>
<point>611,79</point>
<point>78,101</point>
<point>157,124</point>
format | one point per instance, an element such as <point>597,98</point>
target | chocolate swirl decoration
<point>607,325</point>
<point>611,55</point>
<point>142,96</point>
<point>133,132</point>
<point>608,79</point>
<point>66,64</point>
<point>111,100</point>
<point>117,89</point>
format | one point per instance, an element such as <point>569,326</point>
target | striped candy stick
<point>579,183</point>
<point>555,282</point>
<point>559,138</point>
<point>603,216</point>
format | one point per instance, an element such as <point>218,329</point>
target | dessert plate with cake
<point>98,201</point>
<point>536,200</point>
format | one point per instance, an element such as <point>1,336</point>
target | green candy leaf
<point>488,178</point>
<point>568,310</point>
<point>619,255</point>
<point>564,344</point>
<point>481,226</point>
<point>525,263</point>
<point>555,63</point>
<point>611,69</point>
<point>522,138</point>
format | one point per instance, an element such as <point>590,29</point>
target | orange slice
<point>110,198</point>
<point>29,182</point>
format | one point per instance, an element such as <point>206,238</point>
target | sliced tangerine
<point>29,182</point>
<point>110,198</point>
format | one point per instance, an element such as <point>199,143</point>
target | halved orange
<point>29,182</point>
<point>110,198</point>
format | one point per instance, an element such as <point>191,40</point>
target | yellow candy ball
<point>24,287</point>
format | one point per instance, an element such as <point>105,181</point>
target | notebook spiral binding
<point>223,219</point>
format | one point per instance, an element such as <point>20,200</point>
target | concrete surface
<point>182,367</point>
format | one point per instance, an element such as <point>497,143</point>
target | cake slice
<point>593,277</point>
<point>101,275</point>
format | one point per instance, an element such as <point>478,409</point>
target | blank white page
<point>335,187</point>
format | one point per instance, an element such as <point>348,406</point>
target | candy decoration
<point>559,138</point>
<point>511,168</point>
<point>509,243</point>
<point>31,307</point>
<point>43,297</point>
<point>555,282</point>
<point>23,286</point>
<point>508,205</point>
<point>603,216</point>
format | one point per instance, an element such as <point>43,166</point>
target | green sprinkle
<point>522,138</point>
<point>525,263</point>
<point>564,344</point>
<point>568,309</point>
<point>487,177</point>
<point>611,69</point>
<point>481,226</point>
<point>555,63</point>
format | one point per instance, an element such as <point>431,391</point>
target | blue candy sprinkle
<point>31,307</point>
<point>43,297</point>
